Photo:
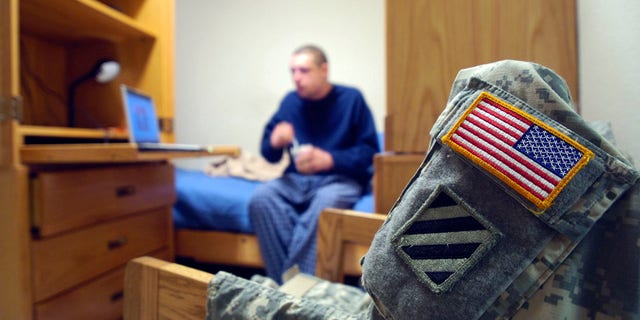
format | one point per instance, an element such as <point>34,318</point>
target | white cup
<point>306,147</point>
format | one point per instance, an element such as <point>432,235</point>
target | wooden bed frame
<point>239,249</point>
<point>157,289</point>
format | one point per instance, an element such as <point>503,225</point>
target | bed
<point>156,289</point>
<point>211,216</point>
<point>211,219</point>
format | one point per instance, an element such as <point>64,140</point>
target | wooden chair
<point>160,289</point>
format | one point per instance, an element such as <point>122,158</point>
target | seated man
<point>330,131</point>
<point>520,210</point>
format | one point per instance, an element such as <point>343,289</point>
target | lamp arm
<point>71,98</point>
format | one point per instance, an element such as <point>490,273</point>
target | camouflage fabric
<point>598,280</point>
<point>347,298</point>
<point>472,236</point>
<point>231,297</point>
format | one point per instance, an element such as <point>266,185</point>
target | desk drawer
<point>68,199</point>
<point>98,299</point>
<point>64,261</point>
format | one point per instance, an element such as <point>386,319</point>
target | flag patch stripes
<point>531,157</point>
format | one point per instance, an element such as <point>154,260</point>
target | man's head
<point>309,71</point>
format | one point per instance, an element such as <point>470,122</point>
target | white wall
<point>232,61</point>
<point>609,53</point>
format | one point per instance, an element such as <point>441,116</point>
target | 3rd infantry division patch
<point>444,240</point>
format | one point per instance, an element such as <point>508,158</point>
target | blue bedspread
<point>221,203</point>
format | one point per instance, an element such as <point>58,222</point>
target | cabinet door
<point>428,42</point>
<point>14,229</point>
<point>9,79</point>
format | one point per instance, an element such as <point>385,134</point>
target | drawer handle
<point>125,191</point>
<point>117,243</point>
<point>117,296</point>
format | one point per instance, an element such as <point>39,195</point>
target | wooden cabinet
<point>76,203</point>
<point>81,224</point>
<point>60,40</point>
<point>81,252</point>
<point>428,42</point>
<point>392,174</point>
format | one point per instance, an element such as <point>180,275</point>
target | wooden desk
<point>109,153</point>
<point>90,209</point>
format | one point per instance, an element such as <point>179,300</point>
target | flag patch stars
<point>531,157</point>
<point>444,240</point>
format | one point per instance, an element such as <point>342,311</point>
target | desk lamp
<point>103,72</point>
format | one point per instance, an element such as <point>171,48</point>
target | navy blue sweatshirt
<point>341,123</point>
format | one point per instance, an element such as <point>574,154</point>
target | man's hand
<point>311,160</point>
<point>282,135</point>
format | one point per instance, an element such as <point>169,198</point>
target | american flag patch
<point>531,157</point>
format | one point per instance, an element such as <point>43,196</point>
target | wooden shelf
<point>72,20</point>
<point>80,133</point>
<point>44,46</point>
<point>109,153</point>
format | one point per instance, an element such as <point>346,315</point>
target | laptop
<point>142,123</point>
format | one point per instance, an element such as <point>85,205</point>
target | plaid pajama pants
<point>284,215</point>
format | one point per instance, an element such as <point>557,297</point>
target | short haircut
<point>318,54</point>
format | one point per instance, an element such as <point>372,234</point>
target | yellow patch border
<point>542,205</point>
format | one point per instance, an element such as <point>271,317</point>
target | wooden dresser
<point>90,208</point>
<point>77,202</point>
<point>87,223</point>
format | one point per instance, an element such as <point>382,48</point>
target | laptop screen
<point>140,111</point>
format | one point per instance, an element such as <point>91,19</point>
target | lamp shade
<point>107,71</point>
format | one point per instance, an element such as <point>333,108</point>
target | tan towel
<point>248,166</point>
